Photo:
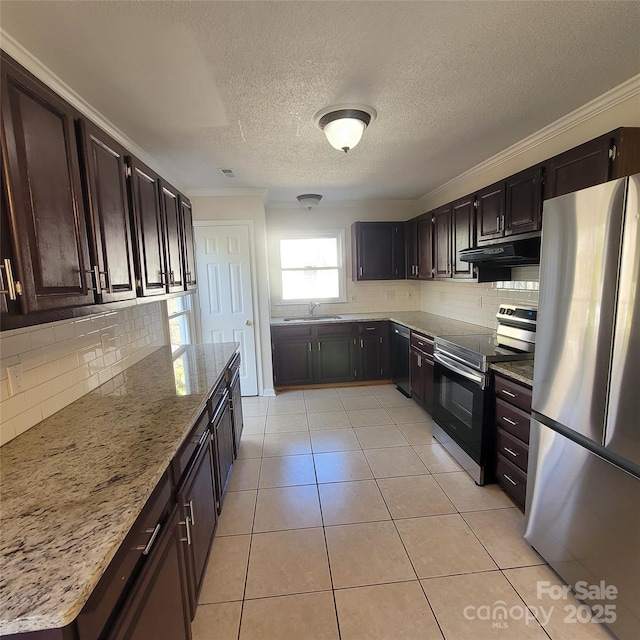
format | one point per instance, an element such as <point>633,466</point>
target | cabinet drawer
<point>513,420</point>
<point>422,342</point>
<point>292,331</point>
<point>513,393</point>
<point>335,330</point>
<point>513,449</point>
<point>189,447</point>
<point>512,480</point>
<point>373,328</point>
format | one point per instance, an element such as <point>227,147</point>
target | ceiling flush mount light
<point>309,200</point>
<point>344,124</point>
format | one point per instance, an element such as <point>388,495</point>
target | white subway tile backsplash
<point>64,360</point>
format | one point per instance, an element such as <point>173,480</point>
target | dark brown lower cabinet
<point>421,367</point>
<point>236,401</point>
<point>222,427</point>
<point>198,512</point>
<point>157,606</point>
<point>374,357</point>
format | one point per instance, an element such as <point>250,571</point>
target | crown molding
<point>622,92</point>
<point>21,55</point>
<point>233,192</point>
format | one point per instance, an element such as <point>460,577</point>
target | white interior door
<point>223,262</point>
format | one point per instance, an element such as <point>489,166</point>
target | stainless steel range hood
<point>506,254</point>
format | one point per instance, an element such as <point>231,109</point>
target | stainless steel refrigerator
<point>583,502</point>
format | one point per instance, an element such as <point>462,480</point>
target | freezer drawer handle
<point>511,422</point>
<point>504,475</point>
<point>513,453</point>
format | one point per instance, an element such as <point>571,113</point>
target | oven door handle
<point>478,378</point>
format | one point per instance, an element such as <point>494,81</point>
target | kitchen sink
<point>312,318</point>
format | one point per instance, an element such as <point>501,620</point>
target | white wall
<point>62,361</point>
<point>391,295</point>
<point>247,208</point>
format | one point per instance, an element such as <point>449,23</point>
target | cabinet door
<point>157,606</point>
<point>398,251</point>
<point>463,234</point>
<point>490,213</point>
<point>44,195</point>
<point>442,242</point>
<point>524,202</point>
<point>292,362</point>
<point>188,244</point>
<point>425,247</point>
<point>427,370</point>
<point>373,251</point>
<point>170,207</point>
<point>334,360</point>
<point>411,248</point>
<point>373,353</point>
<point>417,365</point>
<point>583,166</point>
<point>105,175</point>
<point>224,447</point>
<point>145,189</point>
<point>197,503</point>
<point>236,409</point>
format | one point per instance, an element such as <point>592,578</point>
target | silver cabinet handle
<point>511,422</point>
<point>95,272</point>
<point>162,275</point>
<point>513,453</point>
<point>497,223</point>
<point>310,347</point>
<point>361,343</point>
<point>371,328</point>
<point>11,289</point>
<point>189,505</point>
<point>187,524</point>
<point>173,280</point>
<point>508,393</point>
<point>361,271</point>
<point>504,475</point>
<point>154,534</point>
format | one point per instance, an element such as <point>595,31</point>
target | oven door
<point>461,405</point>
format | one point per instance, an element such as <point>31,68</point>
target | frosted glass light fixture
<point>309,200</point>
<point>344,125</point>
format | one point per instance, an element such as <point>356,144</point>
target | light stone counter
<point>427,323</point>
<point>73,485</point>
<point>519,370</point>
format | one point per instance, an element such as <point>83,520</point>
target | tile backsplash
<point>479,303</point>
<point>62,361</point>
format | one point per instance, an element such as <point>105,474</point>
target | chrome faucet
<point>312,307</point>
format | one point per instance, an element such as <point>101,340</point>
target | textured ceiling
<point>205,85</point>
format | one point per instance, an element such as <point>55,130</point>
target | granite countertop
<point>518,370</point>
<point>426,323</point>
<point>73,485</point>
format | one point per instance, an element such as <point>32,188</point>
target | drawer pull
<point>511,422</point>
<point>504,475</point>
<point>154,534</point>
<point>187,524</point>
<point>508,393</point>
<point>513,453</point>
<point>371,328</point>
<point>190,507</point>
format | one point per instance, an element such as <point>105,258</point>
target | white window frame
<point>339,235</point>
<point>188,313</point>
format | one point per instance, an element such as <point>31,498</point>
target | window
<point>179,311</point>
<point>312,267</point>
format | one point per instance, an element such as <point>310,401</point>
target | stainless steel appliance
<point>583,501</point>
<point>400,358</point>
<point>463,398</point>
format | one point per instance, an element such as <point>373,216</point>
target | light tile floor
<point>346,520</point>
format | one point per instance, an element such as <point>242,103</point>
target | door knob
<point>249,323</point>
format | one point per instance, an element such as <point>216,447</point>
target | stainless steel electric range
<point>463,395</point>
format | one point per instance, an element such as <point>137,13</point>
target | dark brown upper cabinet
<point>425,247</point>
<point>523,211</point>
<point>378,250</point>
<point>463,229</point>
<point>442,242</point>
<point>188,244</point>
<point>148,229</point>
<point>613,155</point>
<point>109,221</point>
<point>411,248</point>
<point>170,207</point>
<point>490,215</point>
<point>46,216</point>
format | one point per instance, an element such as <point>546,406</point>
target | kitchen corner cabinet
<point>411,248</point>
<point>463,231</point>
<point>378,250</point>
<point>613,155</point>
<point>46,214</point>
<point>292,349</point>
<point>513,415</point>
<point>105,180</point>
<point>425,247</point>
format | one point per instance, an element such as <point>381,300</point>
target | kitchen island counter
<point>73,485</point>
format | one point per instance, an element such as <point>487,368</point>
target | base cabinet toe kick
<point>150,588</point>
